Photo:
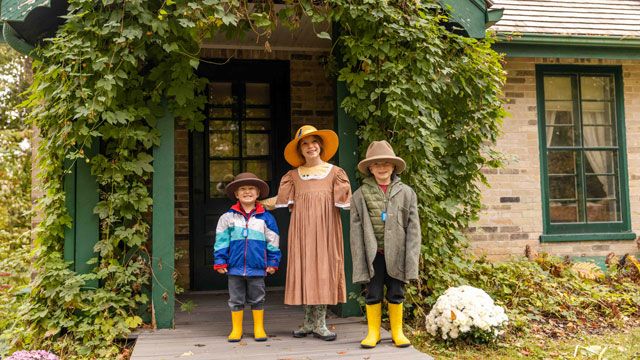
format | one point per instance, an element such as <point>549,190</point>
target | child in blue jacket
<point>246,249</point>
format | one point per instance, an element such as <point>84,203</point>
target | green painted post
<point>81,190</point>
<point>347,160</point>
<point>87,224</point>
<point>162,252</point>
<point>70,200</point>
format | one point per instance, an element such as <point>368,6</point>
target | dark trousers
<point>375,287</point>
<point>246,289</point>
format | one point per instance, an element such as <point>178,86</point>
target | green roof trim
<point>557,46</point>
<point>472,15</point>
<point>18,10</point>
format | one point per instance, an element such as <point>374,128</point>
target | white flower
<point>465,309</point>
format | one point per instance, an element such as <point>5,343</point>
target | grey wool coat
<point>402,237</point>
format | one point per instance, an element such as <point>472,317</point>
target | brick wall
<point>512,215</point>
<point>312,103</point>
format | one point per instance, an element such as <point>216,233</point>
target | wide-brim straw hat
<point>381,151</point>
<point>246,179</point>
<point>329,145</point>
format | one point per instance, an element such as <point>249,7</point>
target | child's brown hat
<point>379,151</point>
<point>246,179</point>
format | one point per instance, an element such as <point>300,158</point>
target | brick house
<point>571,185</point>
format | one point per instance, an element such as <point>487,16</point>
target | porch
<point>202,334</point>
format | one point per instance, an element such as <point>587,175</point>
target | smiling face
<point>247,195</point>
<point>382,171</point>
<point>310,147</point>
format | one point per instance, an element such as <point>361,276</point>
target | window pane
<point>560,136</point>
<point>601,186</point>
<point>220,93</point>
<point>221,172</point>
<point>595,136</point>
<point>223,143</point>
<point>258,113</point>
<point>563,212</point>
<point>603,210</point>
<point>558,88</point>
<point>597,112</point>
<point>258,94</point>
<point>561,162</point>
<point>257,125</point>
<point>258,167</point>
<point>601,162</point>
<point>219,112</point>
<point>256,144</point>
<point>596,87</point>
<point>562,187</point>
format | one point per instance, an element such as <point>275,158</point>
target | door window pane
<point>223,143</point>
<point>220,93</point>
<point>255,144</point>
<point>257,113</point>
<point>219,112</point>
<point>258,94</point>
<point>221,172</point>
<point>260,168</point>
<point>257,125</point>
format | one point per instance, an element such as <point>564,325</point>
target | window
<point>583,155</point>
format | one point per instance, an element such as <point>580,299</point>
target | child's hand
<point>222,270</point>
<point>271,269</point>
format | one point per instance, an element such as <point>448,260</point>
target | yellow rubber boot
<point>258,325</point>
<point>374,318</point>
<point>236,326</point>
<point>395,320</point>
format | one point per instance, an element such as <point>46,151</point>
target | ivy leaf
<point>324,35</point>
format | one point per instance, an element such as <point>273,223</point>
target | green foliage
<point>549,296</point>
<point>107,75</point>
<point>15,186</point>
<point>436,97</point>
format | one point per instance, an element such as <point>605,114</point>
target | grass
<point>620,344</point>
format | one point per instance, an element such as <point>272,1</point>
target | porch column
<point>162,251</point>
<point>347,160</point>
<point>81,191</point>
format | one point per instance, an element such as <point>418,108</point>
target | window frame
<point>615,230</point>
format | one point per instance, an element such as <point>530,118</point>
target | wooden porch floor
<point>202,334</point>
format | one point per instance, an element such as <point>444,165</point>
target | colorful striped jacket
<point>246,244</point>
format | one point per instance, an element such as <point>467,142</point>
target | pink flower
<point>32,355</point>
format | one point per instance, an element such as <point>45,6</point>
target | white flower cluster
<point>464,309</point>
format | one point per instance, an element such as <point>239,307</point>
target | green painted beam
<point>470,14</point>
<point>163,243</point>
<point>18,10</point>
<point>13,39</point>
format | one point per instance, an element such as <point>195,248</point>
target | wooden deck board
<point>202,334</point>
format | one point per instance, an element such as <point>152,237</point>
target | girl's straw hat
<point>329,145</point>
<point>246,179</point>
<point>380,151</point>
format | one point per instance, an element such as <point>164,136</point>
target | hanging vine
<point>105,78</point>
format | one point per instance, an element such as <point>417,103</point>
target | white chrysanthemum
<point>464,309</point>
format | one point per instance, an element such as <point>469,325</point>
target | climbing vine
<point>115,67</point>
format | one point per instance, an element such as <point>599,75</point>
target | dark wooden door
<point>247,127</point>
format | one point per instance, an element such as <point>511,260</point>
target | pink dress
<point>315,260</point>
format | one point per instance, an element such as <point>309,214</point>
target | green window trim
<point>584,231</point>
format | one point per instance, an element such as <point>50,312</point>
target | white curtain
<point>597,136</point>
<point>550,119</point>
